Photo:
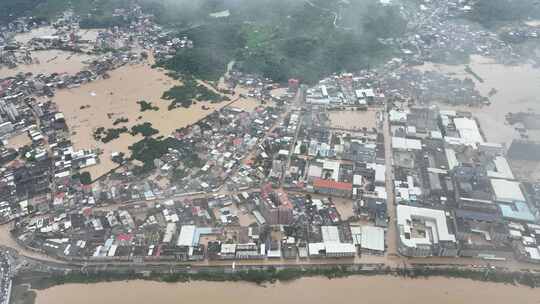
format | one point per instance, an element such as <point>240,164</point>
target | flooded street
<point>517,90</point>
<point>372,290</point>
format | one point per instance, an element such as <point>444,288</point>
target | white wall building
<point>424,232</point>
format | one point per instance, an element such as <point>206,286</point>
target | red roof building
<point>332,187</point>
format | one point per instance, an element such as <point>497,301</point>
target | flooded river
<point>372,290</point>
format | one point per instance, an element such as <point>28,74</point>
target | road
<point>391,233</point>
<point>299,101</point>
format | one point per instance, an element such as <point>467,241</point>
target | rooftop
<point>422,226</point>
<point>323,183</point>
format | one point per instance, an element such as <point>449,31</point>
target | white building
<point>424,232</point>
<point>506,191</point>
<point>187,236</point>
<point>372,239</point>
<point>170,230</point>
<point>331,246</point>
<point>402,143</point>
<point>502,169</point>
<point>468,131</point>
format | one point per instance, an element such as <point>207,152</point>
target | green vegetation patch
<point>257,35</point>
<point>202,63</point>
<point>184,95</point>
<point>107,135</point>
<point>144,129</point>
<point>94,13</point>
<point>84,177</point>
<point>149,149</point>
<point>146,106</point>
<point>271,275</point>
<point>282,39</point>
<point>120,120</point>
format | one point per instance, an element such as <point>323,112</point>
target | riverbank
<point>372,289</point>
<point>271,275</point>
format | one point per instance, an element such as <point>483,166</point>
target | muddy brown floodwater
<point>50,61</point>
<point>353,120</point>
<point>517,90</point>
<point>8,241</point>
<point>372,290</point>
<point>100,103</point>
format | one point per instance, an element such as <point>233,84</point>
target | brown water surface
<point>372,290</point>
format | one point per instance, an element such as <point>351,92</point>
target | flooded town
<point>135,156</point>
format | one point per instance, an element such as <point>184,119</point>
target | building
<point>502,169</point>
<point>276,208</point>
<point>481,234</point>
<point>331,187</point>
<point>187,236</point>
<point>509,196</point>
<point>331,245</point>
<point>425,232</point>
<point>6,128</point>
<point>372,240</point>
<point>170,230</point>
<point>360,152</point>
<point>408,144</point>
<point>468,131</point>
<point>227,252</point>
<point>248,251</point>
